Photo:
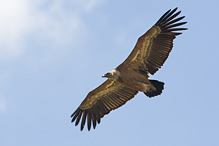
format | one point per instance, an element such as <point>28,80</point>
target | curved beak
<point>106,75</point>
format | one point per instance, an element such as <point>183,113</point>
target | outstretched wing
<point>153,48</point>
<point>99,102</point>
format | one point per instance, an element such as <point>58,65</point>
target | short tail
<point>159,87</point>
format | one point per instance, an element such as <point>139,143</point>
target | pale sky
<point>53,52</point>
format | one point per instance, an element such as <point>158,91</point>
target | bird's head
<point>114,75</point>
<point>107,75</point>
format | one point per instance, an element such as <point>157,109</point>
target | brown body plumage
<point>124,82</point>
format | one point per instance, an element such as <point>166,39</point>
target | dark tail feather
<point>159,87</point>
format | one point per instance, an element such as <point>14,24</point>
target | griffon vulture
<point>132,76</point>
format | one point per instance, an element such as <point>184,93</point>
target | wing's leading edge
<point>99,102</point>
<point>153,48</point>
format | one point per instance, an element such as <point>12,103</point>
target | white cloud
<point>14,24</point>
<point>50,21</point>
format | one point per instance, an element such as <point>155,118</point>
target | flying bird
<point>132,76</point>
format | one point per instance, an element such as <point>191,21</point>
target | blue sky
<point>54,52</point>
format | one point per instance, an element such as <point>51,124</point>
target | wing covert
<point>153,48</point>
<point>99,102</point>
